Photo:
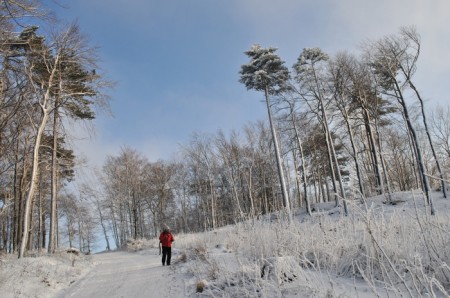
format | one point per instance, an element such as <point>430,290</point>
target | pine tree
<point>266,72</point>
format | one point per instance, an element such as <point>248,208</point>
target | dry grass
<point>200,286</point>
<point>402,253</point>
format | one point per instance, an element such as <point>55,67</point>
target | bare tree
<point>159,192</point>
<point>292,119</point>
<point>440,123</point>
<point>16,10</point>
<point>181,192</point>
<point>441,129</point>
<point>389,56</point>
<point>202,165</point>
<point>125,193</point>
<point>262,166</point>
<point>229,152</point>
<point>407,61</point>
<point>342,70</point>
<point>313,89</point>
<point>91,191</point>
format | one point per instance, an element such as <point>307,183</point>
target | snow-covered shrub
<point>41,275</point>
<point>182,257</point>
<point>134,245</point>
<point>382,248</point>
<point>200,286</point>
<point>280,269</point>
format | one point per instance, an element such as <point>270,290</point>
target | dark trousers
<point>166,255</point>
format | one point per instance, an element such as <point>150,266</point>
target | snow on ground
<point>380,250</point>
<point>41,275</point>
<point>124,274</point>
<point>112,274</point>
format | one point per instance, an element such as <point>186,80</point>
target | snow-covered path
<point>123,274</point>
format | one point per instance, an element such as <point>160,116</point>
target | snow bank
<point>41,275</point>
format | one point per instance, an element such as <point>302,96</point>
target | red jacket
<point>166,239</point>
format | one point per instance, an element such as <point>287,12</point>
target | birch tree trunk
<point>34,177</point>
<point>45,106</point>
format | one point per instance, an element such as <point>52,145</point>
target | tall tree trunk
<point>354,151</point>
<point>41,222</point>
<point>338,172</point>
<point>333,158</point>
<point>383,164</point>
<point>80,235</point>
<point>30,243</point>
<point>22,198</point>
<point>114,227</point>
<point>278,157</point>
<point>266,202</point>
<point>250,192</point>
<point>185,211</point>
<point>316,176</point>
<point>422,172</point>
<point>330,162</point>
<point>34,179</point>
<point>108,247</point>
<point>328,140</point>
<point>408,70</point>
<point>70,232</point>
<point>298,187</point>
<point>374,152</point>
<point>16,194</point>
<point>302,159</point>
<point>213,202</point>
<point>54,189</point>
<point>441,175</point>
<point>45,109</point>
<point>135,216</point>
<point>413,156</point>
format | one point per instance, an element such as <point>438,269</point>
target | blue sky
<point>176,62</point>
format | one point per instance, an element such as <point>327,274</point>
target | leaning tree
<point>59,71</point>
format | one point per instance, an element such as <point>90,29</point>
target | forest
<point>341,127</point>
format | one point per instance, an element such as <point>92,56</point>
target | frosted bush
<point>396,251</point>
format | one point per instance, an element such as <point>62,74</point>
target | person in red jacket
<point>166,239</point>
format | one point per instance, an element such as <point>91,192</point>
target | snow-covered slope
<point>379,250</point>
